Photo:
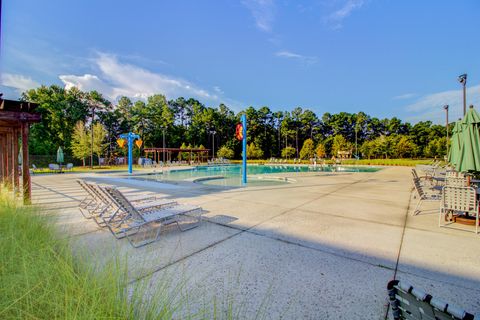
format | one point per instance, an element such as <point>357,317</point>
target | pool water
<point>230,175</point>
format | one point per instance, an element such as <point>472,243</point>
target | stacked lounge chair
<point>135,218</point>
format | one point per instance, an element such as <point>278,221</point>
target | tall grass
<point>40,278</point>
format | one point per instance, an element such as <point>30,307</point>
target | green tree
<point>321,151</point>
<point>308,150</point>
<point>436,148</point>
<point>60,109</point>
<point>288,152</point>
<point>99,134</point>
<point>225,152</point>
<point>253,152</point>
<point>368,149</point>
<point>80,142</point>
<point>405,147</point>
<point>383,146</point>
<point>340,144</point>
<point>183,155</point>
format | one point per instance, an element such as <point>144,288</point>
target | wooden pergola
<point>15,120</point>
<point>168,151</point>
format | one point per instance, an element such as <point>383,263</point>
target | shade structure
<point>60,155</point>
<point>468,159</point>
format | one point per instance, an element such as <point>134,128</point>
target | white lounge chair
<point>99,205</point>
<point>138,224</point>
<point>423,195</point>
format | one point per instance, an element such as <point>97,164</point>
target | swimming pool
<point>230,175</point>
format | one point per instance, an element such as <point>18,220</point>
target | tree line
<point>69,115</point>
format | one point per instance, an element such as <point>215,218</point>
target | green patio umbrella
<point>60,155</point>
<point>455,143</point>
<point>469,157</point>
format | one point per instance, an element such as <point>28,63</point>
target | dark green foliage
<point>189,121</point>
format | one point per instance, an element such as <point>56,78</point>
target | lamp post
<point>93,101</point>
<point>91,138</point>
<point>213,132</point>
<point>163,145</point>
<point>445,107</point>
<point>93,105</point>
<point>463,80</point>
<point>356,139</point>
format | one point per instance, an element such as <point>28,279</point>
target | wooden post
<point>27,184</point>
<point>2,166</point>
<point>4,159</point>
<point>16,176</point>
<point>9,164</point>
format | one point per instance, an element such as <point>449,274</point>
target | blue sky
<point>384,57</point>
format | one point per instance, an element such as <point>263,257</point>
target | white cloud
<point>336,18</point>
<point>405,96</point>
<point>218,90</point>
<point>88,82</point>
<point>263,11</point>
<point>292,55</point>
<point>18,82</point>
<point>120,79</point>
<point>430,107</point>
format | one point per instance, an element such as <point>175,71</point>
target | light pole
<point>445,107</point>
<point>463,80</point>
<point>91,138</point>
<point>213,132</point>
<point>163,145</point>
<point>92,104</point>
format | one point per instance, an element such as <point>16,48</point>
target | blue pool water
<point>230,175</point>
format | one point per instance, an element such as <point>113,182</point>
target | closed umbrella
<point>20,157</point>
<point>469,156</point>
<point>60,155</point>
<point>455,141</point>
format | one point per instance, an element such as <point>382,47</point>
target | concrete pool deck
<point>323,247</point>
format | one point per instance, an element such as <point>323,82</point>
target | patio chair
<point>428,169</point>
<point>53,167</point>
<point>423,195</point>
<point>456,182</point>
<point>69,167</point>
<point>458,200</point>
<point>454,174</point>
<point>427,181</point>
<point>98,204</point>
<point>87,200</point>
<point>407,302</point>
<point>137,222</point>
<point>34,169</point>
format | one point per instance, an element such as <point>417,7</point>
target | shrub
<point>321,152</point>
<point>225,152</point>
<point>288,152</point>
<point>253,152</point>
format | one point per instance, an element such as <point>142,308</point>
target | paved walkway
<point>321,248</point>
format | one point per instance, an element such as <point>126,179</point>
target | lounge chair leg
<point>440,214</point>
<point>85,215</point>
<point>195,224</point>
<point>417,208</point>
<point>136,244</point>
